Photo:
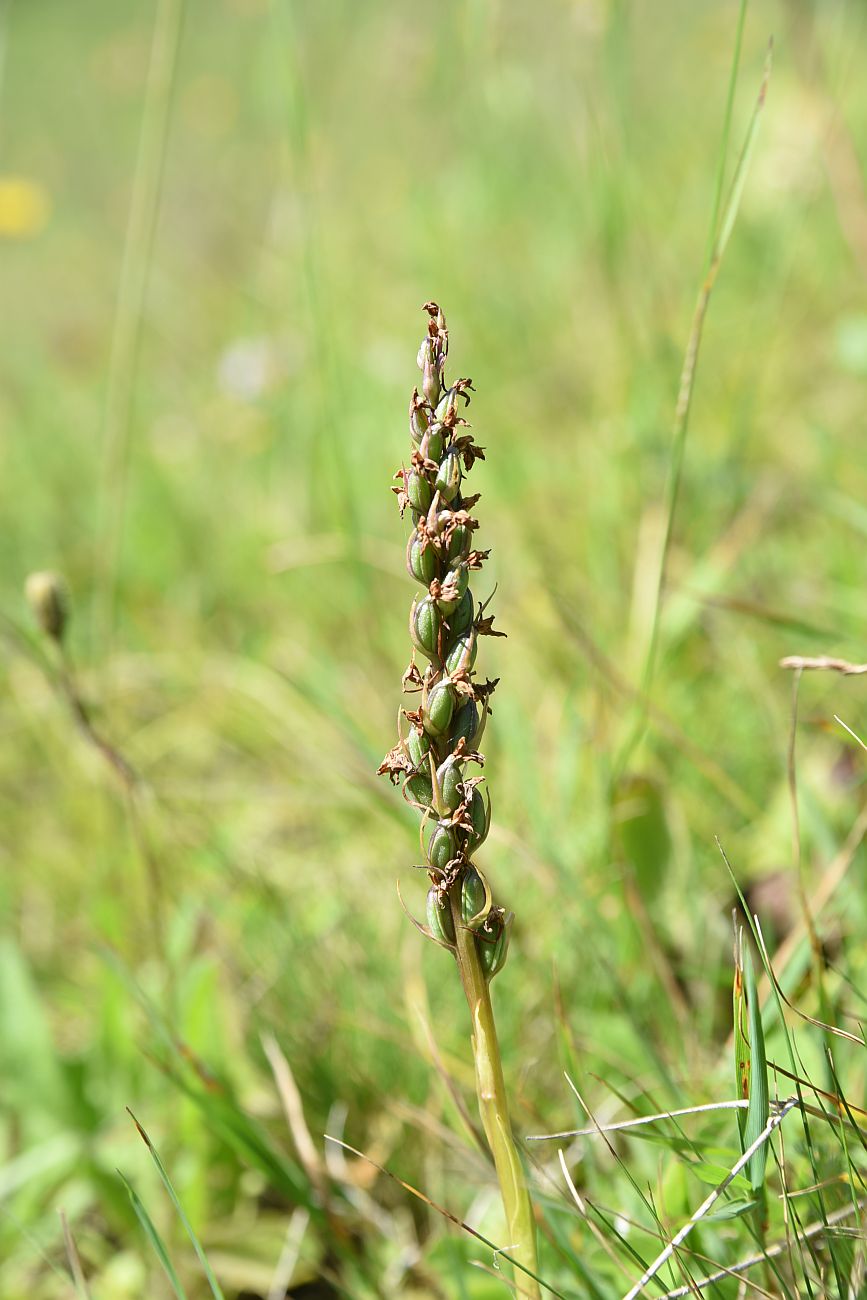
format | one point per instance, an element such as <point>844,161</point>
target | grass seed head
<point>48,597</point>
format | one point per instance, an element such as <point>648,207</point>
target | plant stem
<point>131,303</point>
<point>721,230</point>
<point>494,1106</point>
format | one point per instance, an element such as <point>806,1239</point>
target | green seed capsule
<point>444,403</point>
<point>462,617</point>
<point>441,846</point>
<point>430,382</point>
<point>459,543</point>
<point>480,818</point>
<point>439,916</point>
<point>473,896</point>
<point>425,622</point>
<point>421,563</point>
<point>449,776</point>
<point>419,491</point>
<point>419,787</point>
<point>466,724</point>
<point>433,443</point>
<point>502,949</point>
<point>418,422</point>
<point>454,590</point>
<point>463,653</point>
<point>448,480</point>
<point>493,944</point>
<point>418,746</point>
<point>438,709</point>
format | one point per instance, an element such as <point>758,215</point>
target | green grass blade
<point>727,123</point>
<point>560,1219</point>
<point>154,1238</point>
<point>250,1142</point>
<point>790,1051</point>
<point>741,1042</point>
<point>224,1115</point>
<point>683,407</point>
<point>758,1110</point>
<point>81,1288</point>
<point>216,1290</point>
<point>736,189</point>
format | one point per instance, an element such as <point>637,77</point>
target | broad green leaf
<point>29,1064</point>
<point>731,1210</point>
<point>712,1175</point>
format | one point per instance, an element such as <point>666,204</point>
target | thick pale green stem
<point>494,1108</point>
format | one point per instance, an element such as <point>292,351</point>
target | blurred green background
<point>213,259</point>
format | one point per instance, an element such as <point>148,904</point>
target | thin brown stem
<point>131,788</point>
<point>823,663</point>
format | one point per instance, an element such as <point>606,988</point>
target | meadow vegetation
<point>217,225</point>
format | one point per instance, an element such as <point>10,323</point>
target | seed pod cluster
<point>438,740</point>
